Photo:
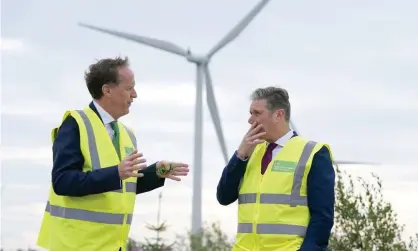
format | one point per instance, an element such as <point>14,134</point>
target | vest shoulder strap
<point>80,116</point>
<point>131,134</point>
<point>318,145</point>
<point>55,130</point>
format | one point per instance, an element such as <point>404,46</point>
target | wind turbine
<point>202,75</point>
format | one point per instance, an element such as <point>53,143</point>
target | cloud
<point>11,45</point>
<point>40,155</point>
<point>175,93</point>
<point>41,108</point>
<point>16,131</point>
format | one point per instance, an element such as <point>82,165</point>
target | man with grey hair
<point>284,183</point>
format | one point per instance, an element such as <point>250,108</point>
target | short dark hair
<point>275,97</point>
<point>104,71</point>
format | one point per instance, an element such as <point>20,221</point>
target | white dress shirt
<point>281,142</point>
<point>107,119</point>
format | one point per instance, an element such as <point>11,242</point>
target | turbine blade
<point>210,95</point>
<point>238,28</point>
<point>336,163</point>
<point>153,42</point>
<point>347,162</point>
<point>339,162</point>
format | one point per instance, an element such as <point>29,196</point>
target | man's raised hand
<point>130,165</point>
<point>250,140</point>
<point>172,170</point>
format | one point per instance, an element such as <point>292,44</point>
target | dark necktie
<point>115,140</point>
<point>267,157</point>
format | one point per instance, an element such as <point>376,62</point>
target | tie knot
<point>271,146</point>
<point>113,124</point>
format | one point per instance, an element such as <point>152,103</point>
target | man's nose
<point>250,120</point>
<point>134,95</point>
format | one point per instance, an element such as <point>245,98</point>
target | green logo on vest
<point>283,166</point>
<point>128,150</point>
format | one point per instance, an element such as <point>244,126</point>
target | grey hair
<point>275,97</point>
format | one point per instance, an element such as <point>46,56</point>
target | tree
<point>157,243</point>
<point>363,220</point>
<point>132,245</point>
<point>153,244</point>
<point>209,238</point>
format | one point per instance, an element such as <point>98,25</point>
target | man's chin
<point>126,111</point>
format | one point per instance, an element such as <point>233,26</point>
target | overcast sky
<point>350,68</point>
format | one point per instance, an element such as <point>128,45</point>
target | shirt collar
<point>106,117</point>
<point>282,141</point>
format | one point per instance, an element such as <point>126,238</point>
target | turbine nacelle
<point>197,58</point>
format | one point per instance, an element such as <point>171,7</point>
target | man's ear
<point>278,115</point>
<point>107,90</point>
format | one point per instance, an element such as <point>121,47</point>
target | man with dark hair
<point>284,183</point>
<point>97,170</point>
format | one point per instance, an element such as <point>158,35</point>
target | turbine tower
<point>202,75</point>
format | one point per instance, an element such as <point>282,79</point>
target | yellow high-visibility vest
<point>273,211</point>
<point>99,222</point>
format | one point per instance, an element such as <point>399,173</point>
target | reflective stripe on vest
<point>85,215</point>
<point>94,155</point>
<point>91,216</point>
<point>247,228</point>
<point>294,199</point>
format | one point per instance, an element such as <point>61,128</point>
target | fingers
<point>180,171</point>
<point>134,155</point>
<point>253,125</point>
<point>178,164</point>
<point>176,173</point>
<point>139,161</point>
<point>135,151</point>
<point>132,171</point>
<point>256,137</point>
<point>258,141</point>
<point>255,130</point>
<point>134,162</point>
<point>130,166</point>
<point>138,175</point>
<point>128,174</point>
<point>138,167</point>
